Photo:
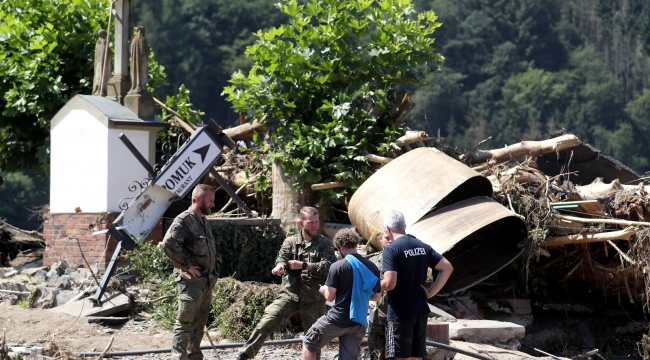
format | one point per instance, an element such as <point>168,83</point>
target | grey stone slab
<point>110,305</point>
<point>480,331</point>
<point>32,271</point>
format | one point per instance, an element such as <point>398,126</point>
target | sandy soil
<point>37,327</point>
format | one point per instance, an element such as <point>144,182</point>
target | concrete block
<point>64,296</point>
<point>481,331</point>
<point>438,332</point>
<point>35,351</point>
<point>521,306</point>
<point>110,305</point>
<point>10,274</point>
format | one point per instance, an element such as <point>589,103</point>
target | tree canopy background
<point>514,70</point>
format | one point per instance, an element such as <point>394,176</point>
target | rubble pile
<point>584,227</point>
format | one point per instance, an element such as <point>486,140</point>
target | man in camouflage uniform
<point>377,326</point>
<point>303,262</point>
<point>191,247</point>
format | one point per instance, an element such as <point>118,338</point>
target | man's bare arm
<point>445,269</point>
<point>389,281</point>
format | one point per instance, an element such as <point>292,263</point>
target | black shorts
<point>406,337</point>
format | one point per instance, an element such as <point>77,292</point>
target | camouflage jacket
<point>188,242</point>
<point>382,305</point>
<point>302,285</point>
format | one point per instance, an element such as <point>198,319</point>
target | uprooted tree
<point>328,85</point>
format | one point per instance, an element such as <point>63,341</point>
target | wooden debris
<point>108,347</point>
<point>410,137</point>
<point>530,148</point>
<point>329,185</point>
<point>378,159</point>
<point>588,237</point>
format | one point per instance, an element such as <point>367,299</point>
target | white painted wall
<point>122,165</point>
<point>79,164</point>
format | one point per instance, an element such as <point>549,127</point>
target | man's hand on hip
<point>194,271</point>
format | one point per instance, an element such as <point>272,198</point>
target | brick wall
<point>66,233</point>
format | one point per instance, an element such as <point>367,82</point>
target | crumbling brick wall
<point>66,233</point>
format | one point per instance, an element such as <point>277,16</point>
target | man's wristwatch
<point>304,265</point>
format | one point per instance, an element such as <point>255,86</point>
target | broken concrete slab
<point>32,270</point>
<point>64,296</point>
<point>10,274</point>
<point>493,352</point>
<point>110,305</point>
<point>436,312</point>
<point>481,331</point>
<point>523,320</point>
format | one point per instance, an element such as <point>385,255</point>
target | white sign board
<point>193,160</point>
<point>175,180</point>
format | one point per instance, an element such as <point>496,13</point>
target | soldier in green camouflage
<point>303,262</point>
<point>191,247</point>
<point>377,326</point>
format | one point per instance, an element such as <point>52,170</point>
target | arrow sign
<point>203,152</point>
<point>191,162</point>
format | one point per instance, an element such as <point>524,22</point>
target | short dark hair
<point>307,210</point>
<point>347,238</point>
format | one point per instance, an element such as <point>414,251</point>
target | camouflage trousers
<point>194,304</point>
<point>377,337</point>
<point>278,313</point>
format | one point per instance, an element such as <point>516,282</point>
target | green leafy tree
<point>45,59</point>
<point>20,196</point>
<point>325,78</point>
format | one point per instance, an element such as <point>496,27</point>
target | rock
<point>46,297</point>
<point>64,282</point>
<point>36,351</point>
<point>40,275</point>
<point>11,273</point>
<point>61,268</point>
<point>13,286</point>
<point>31,265</point>
<point>64,296</point>
<point>18,349</point>
<point>481,331</point>
<point>3,271</point>
<point>33,270</point>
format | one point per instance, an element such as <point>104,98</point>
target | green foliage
<point>20,196</point>
<point>202,42</point>
<point>26,302</point>
<point>248,252</point>
<point>45,59</point>
<point>238,307</point>
<point>313,77</point>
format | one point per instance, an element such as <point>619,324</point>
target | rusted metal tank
<point>447,205</point>
<point>416,183</point>
<point>477,235</point>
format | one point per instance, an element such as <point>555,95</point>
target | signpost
<point>175,180</point>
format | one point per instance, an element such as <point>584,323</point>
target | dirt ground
<point>38,327</point>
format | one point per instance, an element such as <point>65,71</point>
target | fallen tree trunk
<point>588,237</point>
<point>244,131</point>
<point>603,221</point>
<point>410,137</point>
<point>530,148</point>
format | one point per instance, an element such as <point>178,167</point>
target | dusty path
<point>37,327</point>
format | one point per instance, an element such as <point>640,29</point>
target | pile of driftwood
<point>15,242</point>
<point>583,229</point>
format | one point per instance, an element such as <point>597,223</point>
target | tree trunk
<point>531,148</point>
<point>287,202</point>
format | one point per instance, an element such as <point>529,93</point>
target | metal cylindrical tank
<point>478,236</point>
<point>419,182</point>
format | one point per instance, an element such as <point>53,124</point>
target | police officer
<point>303,262</point>
<point>191,247</point>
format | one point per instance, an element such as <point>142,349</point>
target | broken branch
<point>378,159</point>
<point>531,148</point>
<point>603,221</point>
<point>101,356</point>
<point>588,237</point>
<point>329,185</point>
<point>410,137</point>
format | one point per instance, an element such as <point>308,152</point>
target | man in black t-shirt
<point>351,283</point>
<point>405,264</point>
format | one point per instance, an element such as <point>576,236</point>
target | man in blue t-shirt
<point>405,264</point>
<point>351,283</point>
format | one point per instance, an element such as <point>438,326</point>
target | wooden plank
<point>242,221</point>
